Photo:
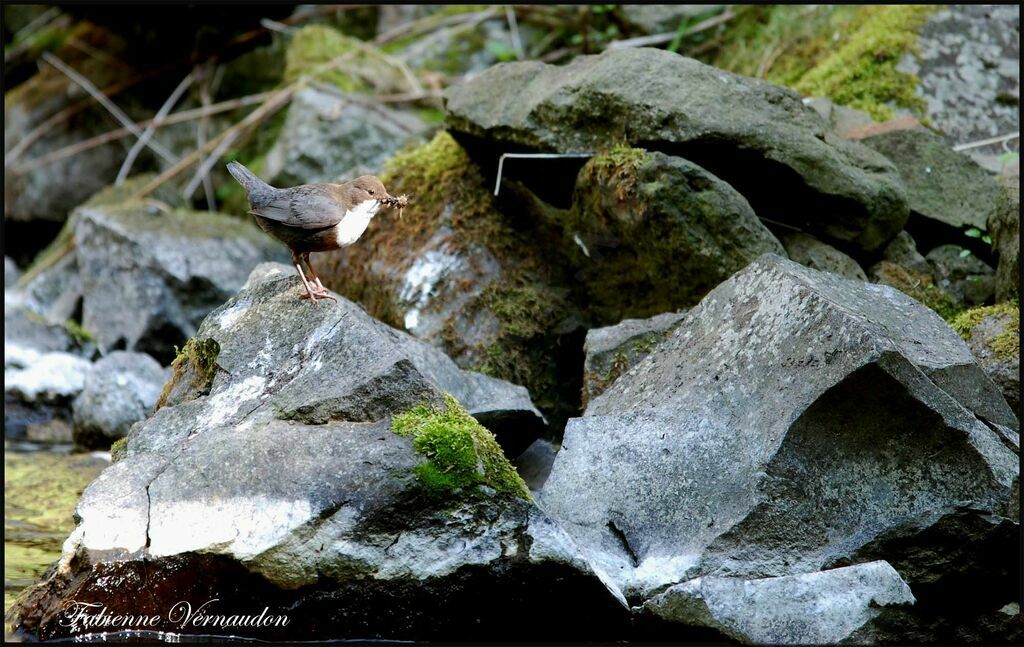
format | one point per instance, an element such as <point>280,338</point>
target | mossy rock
<point>649,233</point>
<point>348,63</point>
<point>993,335</point>
<point>863,73</point>
<point>455,271</point>
<point>463,458</point>
<point>193,370</point>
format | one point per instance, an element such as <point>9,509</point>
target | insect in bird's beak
<point>397,201</point>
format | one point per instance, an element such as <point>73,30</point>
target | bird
<point>314,217</point>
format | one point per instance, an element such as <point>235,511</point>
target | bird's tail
<point>247,178</point>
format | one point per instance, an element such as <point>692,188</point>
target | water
<point>41,487</point>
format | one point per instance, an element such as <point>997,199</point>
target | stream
<point>42,484</point>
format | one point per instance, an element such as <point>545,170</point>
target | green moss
<point>918,286</point>
<point>461,454</point>
<point>118,450</point>
<point>1006,345</point>
<point>197,358</point>
<point>862,72</point>
<point>315,45</point>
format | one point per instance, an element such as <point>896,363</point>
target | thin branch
<point>430,23</point>
<point>667,37</point>
<point>204,97</point>
<point>107,103</point>
<point>513,27</point>
<point>986,142</point>
<point>543,156</point>
<point>154,123</point>
<point>42,129</point>
<point>120,133</point>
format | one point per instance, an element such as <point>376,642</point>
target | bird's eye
<point>370,191</point>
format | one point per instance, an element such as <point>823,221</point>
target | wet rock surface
<point>322,498</point>
<point>993,335</point>
<point>780,409</point>
<point>1004,226</point>
<point>728,124</point>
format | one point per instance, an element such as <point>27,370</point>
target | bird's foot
<point>313,295</point>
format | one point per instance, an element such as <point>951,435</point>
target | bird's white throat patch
<point>354,222</point>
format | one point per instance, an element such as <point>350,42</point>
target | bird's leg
<point>302,275</point>
<point>322,291</point>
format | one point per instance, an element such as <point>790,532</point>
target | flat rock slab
<point>818,608</point>
<point>759,137</point>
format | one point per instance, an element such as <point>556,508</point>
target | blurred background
<point>108,104</point>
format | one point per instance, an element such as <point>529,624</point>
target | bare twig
<point>23,144</point>
<point>108,104</point>
<point>667,37</point>
<point>513,27</point>
<point>222,142</point>
<point>24,41</point>
<point>986,142</point>
<point>114,135</point>
<point>136,148</point>
<point>430,23</point>
<point>204,97</point>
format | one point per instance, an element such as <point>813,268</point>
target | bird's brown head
<point>367,187</point>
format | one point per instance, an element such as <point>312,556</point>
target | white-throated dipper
<point>314,217</point>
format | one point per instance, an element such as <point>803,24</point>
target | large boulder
<point>323,472</point>
<point>149,274</point>
<point>820,608</point>
<point>328,134</point>
<point>119,390</point>
<point>792,418</point>
<point>650,232</point>
<point>758,137</point>
<point>612,350</point>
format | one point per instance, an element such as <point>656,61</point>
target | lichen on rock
<point>462,456</point>
<point>194,368</point>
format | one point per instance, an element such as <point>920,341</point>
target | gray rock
<point>756,136</point>
<point>661,18</point>
<point>825,607</point>
<point>328,134</point>
<point>120,390</point>
<point>292,451</point>
<point>811,252</point>
<point>11,273</point>
<point>38,389</point>
<point>611,351</point>
<point>942,184</point>
<point>650,233</point>
<point>169,269</point>
<point>903,251</point>
<point>964,276</point>
<point>461,49</point>
<point>1004,226</point>
<point>968,63</point>
<point>843,119</point>
<point>792,417</point>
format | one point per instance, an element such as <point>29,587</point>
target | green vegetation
<point>118,450</point>
<point>1006,345</point>
<point>847,53</point>
<point>862,72</point>
<point>461,454</point>
<point>78,333</point>
<point>198,360</point>
<point>316,45</point>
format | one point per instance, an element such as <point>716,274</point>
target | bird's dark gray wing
<point>302,207</point>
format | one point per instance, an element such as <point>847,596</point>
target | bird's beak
<point>397,201</point>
